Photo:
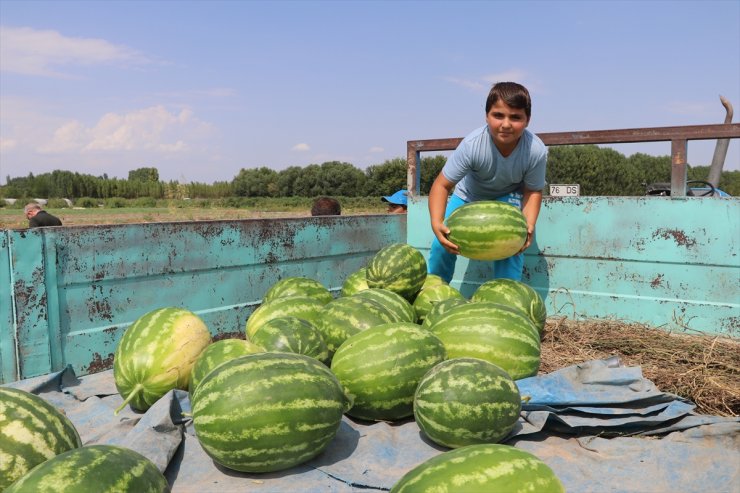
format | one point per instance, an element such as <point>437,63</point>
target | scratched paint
<point>77,289</point>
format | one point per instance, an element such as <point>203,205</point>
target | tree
<point>144,174</point>
<point>386,178</point>
<point>259,182</point>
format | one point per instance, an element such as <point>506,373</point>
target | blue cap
<point>398,198</point>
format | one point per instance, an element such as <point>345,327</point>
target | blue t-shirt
<point>482,173</point>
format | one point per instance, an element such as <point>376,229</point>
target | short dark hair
<point>326,206</point>
<point>511,93</point>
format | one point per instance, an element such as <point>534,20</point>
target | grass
<point>13,218</point>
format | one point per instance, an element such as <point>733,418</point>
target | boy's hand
<point>441,231</point>
<point>528,241</point>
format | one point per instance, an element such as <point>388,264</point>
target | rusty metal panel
<point>8,361</point>
<point>669,262</point>
<point>78,288</point>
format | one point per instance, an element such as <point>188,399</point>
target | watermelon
<point>156,354</point>
<point>397,305</point>
<point>217,353</point>
<point>400,268</point>
<point>344,317</point>
<point>515,294</point>
<point>31,432</point>
<point>268,411</point>
<point>356,282</point>
<point>466,401</point>
<point>432,295</point>
<point>291,287</point>
<point>92,469</point>
<point>487,230</point>
<point>492,332</point>
<point>432,280</point>
<point>302,307</point>
<point>292,335</point>
<point>381,367</point>
<point>440,308</point>
<point>481,468</point>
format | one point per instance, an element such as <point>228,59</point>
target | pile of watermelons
<point>395,343</point>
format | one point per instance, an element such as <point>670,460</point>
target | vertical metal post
<point>413,168</point>
<point>678,167</point>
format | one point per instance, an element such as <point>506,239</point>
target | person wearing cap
<point>398,202</point>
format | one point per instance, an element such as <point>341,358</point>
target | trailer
<point>69,293</point>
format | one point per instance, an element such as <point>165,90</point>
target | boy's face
<point>506,125</point>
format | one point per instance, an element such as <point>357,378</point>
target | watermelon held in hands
<point>481,468</point>
<point>487,230</point>
<point>32,431</point>
<point>400,268</point>
<point>156,354</point>
<point>466,401</point>
<point>291,287</point>
<point>217,353</point>
<point>92,469</point>
<point>380,368</point>
<point>515,294</point>
<point>267,412</point>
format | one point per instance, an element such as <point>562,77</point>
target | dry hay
<point>701,368</point>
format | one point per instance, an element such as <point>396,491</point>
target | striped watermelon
<point>217,353</point>
<point>515,294</point>
<point>269,411</point>
<point>291,287</point>
<point>156,354</point>
<point>31,432</point>
<point>292,335</point>
<point>397,305</point>
<point>381,367</point>
<point>487,230</point>
<point>440,308</point>
<point>492,332</point>
<point>356,282</point>
<point>465,401</point>
<point>93,469</point>
<point>344,317</point>
<point>432,280</point>
<point>302,307</point>
<point>485,468</point>
<point>400,268</point>
<point>432,295</point>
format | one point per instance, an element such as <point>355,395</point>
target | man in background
<point>326,206</point>
<point>398,202</point>
<point>38,217</point>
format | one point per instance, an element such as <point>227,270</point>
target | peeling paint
<point>677,235</point>
<point>99,363</point>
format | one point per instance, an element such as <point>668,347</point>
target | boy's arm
<point>438,194</point>
<point>531,202</point>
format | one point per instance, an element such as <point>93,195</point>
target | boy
<point>397,203</point>
<point>499,161</point>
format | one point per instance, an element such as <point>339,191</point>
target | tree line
<point>598,171</point>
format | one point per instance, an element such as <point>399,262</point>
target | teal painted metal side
<point>7,332</point>
<point>74,290</point>
<point>667,262</point>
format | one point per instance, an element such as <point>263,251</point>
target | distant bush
<point>144,202</point>
<point>56,204</point>
<point>86,202</point>
<point>116,202</point>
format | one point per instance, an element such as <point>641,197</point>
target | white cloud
<point>7,144</point>
<point>29,51</point>
<point>301,147</point>
<point>376,149</point>
<point>149,129</point>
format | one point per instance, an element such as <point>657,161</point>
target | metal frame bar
<point>678,136</point>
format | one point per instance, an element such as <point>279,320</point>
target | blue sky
<point>201,89</point>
